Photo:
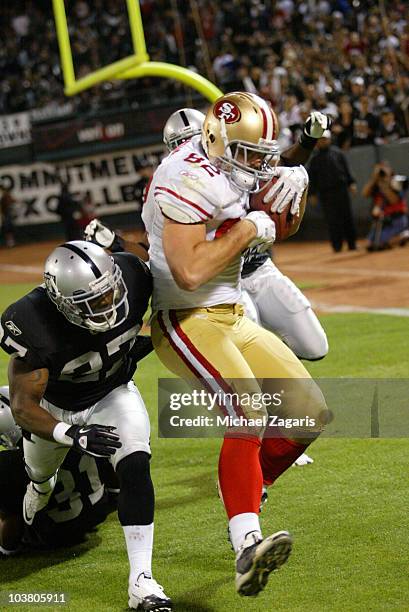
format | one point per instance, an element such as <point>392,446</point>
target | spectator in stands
<point>389,129</point>
<point>7,217</point>
<point>343,126</point>
<point>289,48</point>
<point>70,212</point>
<point>389,209</point>
<point>332,182</point>
<point>364,125</point>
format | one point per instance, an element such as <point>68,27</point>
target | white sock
<point>139,544</point>
<point>240,525</point>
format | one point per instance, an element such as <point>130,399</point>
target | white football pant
<point>122,408</point>
<point>273,301</point>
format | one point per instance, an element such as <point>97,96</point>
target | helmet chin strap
<point>245,181</point>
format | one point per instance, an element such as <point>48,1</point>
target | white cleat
<point>257,558</point>
<point>33,502</point>
<point>147,595</point>
<point>303,460</point>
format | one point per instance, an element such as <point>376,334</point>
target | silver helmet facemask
<point>182,125</point>
<point>101,306</point>
<point>10,433</point>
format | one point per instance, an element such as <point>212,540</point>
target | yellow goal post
<point>135,66</point>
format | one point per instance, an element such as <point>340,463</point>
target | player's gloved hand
<point>266,229</point>
<point>288,188</point>
<point>316,124</point>
<point>94,440</point>
<point>100,234</point>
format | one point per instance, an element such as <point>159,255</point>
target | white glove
<point>98,233</point>
<point>266,229</point>
<point>289,187</point>
<point>316,124</point>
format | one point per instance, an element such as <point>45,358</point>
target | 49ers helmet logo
<point>229,111</point>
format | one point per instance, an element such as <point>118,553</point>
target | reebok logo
<point>12,327</point>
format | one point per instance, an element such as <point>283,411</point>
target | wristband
<point>117,245</point>
<point>307,142</point>
<point>59,434</point>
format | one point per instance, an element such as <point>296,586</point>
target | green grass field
<point>347,511</point>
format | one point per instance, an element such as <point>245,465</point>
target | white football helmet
<point>240,136</point>
<point>10,433</point>
<point>182,125</point>
<point>86,285</point>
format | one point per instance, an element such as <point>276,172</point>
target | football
<point>285,222</point>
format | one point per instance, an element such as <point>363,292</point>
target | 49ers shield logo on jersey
<point>229,111</point>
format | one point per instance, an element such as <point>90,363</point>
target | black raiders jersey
<point>83,366</point>
<point>252,260</point>
<point>79,498</point>
<point>79,485</point>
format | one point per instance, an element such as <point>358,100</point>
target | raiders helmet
<point>182,125</point>
<point>239,135</point>
<point>86,285</point>
<point>10,433</point>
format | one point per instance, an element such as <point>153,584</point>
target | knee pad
<point>37,476</point>
<point>316,348</point>
<point>136,496</point>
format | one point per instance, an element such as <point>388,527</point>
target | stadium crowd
<point>339,56</point>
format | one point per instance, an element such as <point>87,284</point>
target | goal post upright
<point>134,66</point>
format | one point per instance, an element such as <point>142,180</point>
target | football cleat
<point>147,595</point>
<point>303,460</point>
<point>33,502</point>
<point>257,558</point>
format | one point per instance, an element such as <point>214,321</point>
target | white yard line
<point>345,308</point>
<point>373,272</point>
<point>21,269</point>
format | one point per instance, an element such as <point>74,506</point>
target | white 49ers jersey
<point>187,188</point>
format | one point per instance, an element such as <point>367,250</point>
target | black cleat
<point>255,561</point>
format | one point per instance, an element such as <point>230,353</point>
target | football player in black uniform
<point>85,493</point>
<point>74,349</point>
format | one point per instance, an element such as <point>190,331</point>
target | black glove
<point>94,440</point>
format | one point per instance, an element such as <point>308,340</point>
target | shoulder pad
<point>21,333</point>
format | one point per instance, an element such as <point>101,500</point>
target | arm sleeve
<point>184,201</point>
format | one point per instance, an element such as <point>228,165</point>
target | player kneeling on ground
<point>85,493</point>
<point>74,349</point>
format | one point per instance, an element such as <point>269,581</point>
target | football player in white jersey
<point>198,226</point>
<point>269,298</point>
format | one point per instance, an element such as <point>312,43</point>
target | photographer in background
<point>389,211</point>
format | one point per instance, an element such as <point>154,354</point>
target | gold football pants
<point>222,347</point>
